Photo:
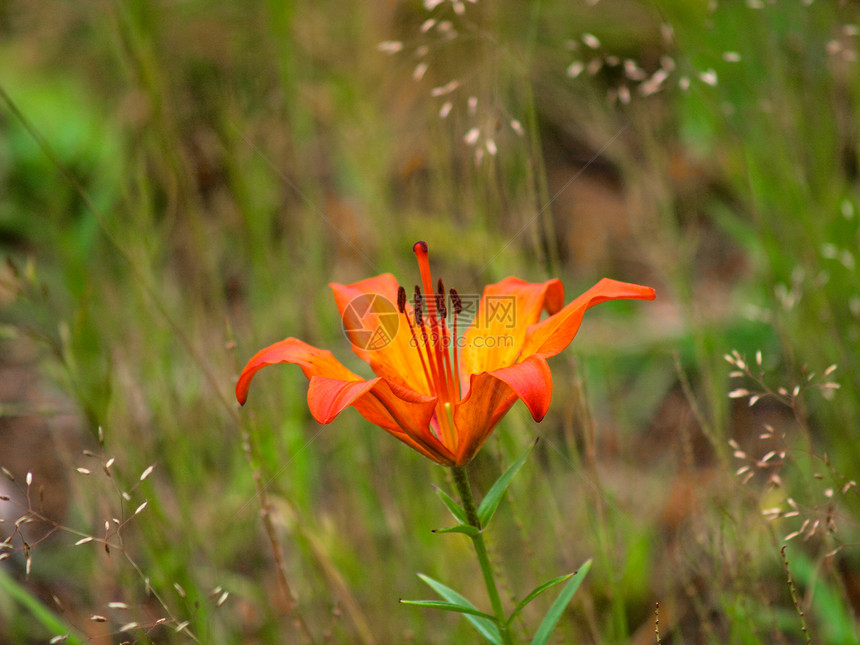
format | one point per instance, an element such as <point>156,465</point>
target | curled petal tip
<point>242,391</point>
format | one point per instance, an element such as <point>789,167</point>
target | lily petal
<point>531,380</point>
<point>327,397</point>
<point>390,354</point>
<point>552,335</point>
<point>312,360</point>
<point>477,415</point>
<point>491,395</point>
<point>506,309</point>
<point>399,410</point>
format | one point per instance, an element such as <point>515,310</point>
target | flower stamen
<point>401,305</point>
<point>437,370</point>
<point>434,368</point>
<point>457,305</point>
<point>453,395</point>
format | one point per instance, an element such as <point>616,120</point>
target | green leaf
<point>39,611</point>
<point>560,604</point>
<point>468,529</point>
<point>494,495</point>
<point>448,606</point>
<point>456,510</point>
<point>487,627</point>
<point>535,593</point>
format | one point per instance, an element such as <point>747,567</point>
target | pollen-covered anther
<point>401,299</point>
<point>440,300</point>
<point>418,306</point>
<point>455,301</point>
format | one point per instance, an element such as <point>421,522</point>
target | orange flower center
<point>435,344</point>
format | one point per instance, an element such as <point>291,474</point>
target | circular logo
<point>370,321</point>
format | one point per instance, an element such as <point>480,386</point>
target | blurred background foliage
<point>179,181</point>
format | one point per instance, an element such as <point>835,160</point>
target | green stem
<point>464,488</point>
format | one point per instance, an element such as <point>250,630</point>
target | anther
<point>440,306</point>
<point>401,299</point>
<point>418,300</point>
<point>455,301</point>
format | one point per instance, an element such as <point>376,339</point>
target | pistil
<point>442,377</point>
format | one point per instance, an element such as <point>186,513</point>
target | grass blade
<point>39,611</point>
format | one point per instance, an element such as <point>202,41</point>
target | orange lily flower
<point>439,393</point>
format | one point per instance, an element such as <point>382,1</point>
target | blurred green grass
<point>180,182</point>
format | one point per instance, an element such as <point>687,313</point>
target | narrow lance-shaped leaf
<point>535,593</point>
<point>466,529</point>
<point>456,510</point>
<point>494,495</point>
<point>485,626</point>
<point>448,606</point>
<point>560,604</point>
